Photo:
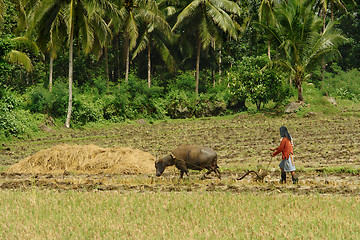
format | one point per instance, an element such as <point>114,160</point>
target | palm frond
<point>24,42</point>
<point>222,20</point>
<point>141,46</point>
<point>132,30</point>
<point>188,11</point>
<point>166,56</point>
<point>17,57</point>
<point>44,16</point>
<point>228,6</point>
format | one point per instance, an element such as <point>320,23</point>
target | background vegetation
<point>126,60</point>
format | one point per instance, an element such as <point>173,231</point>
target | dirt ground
<point>327,155</point>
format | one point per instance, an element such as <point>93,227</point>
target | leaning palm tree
<point>301,43</point>
<point>80,18</point>
<point>205,19</point>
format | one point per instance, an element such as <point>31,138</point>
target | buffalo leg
<point>213,169</point>
<point>217,172</point>
<point>182,173</point>
<point>205,175</point>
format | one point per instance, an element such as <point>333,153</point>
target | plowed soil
<point>327,155</point>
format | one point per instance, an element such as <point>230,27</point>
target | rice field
<point>49,214</point>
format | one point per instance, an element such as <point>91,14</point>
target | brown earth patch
<point>86,159</point>
<point>309,183</point>
<point>326,148</point>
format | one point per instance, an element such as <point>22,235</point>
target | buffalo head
<point>160,167</point>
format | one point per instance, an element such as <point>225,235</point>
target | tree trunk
<point>68,117</point>
<point>117,58</point>
<point>219,62</point>
<point>323,66</point>
<point>106,66</point>
<point>269,49</point>
<point>51,73</point>
<point>324,20</point>
<point>149,65</point>
<point>213,77</point>
<point>127,60</point>
<point>300,95</point>
<point>197,66</point>
<point>298,82</point>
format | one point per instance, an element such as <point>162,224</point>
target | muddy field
<point>327,155</point>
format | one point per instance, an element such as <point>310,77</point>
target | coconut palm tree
<point>80,18</point>
<point>157,33</point>
<point>129,25</point>
<point>204,19</point>
<point>267,17</point>
<point>301,43</point>
<point>49,43</point>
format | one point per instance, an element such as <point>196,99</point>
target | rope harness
<point>182,160</point>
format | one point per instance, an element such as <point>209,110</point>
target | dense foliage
<point>143,59</point>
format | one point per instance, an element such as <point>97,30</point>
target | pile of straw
<point>86,159</point>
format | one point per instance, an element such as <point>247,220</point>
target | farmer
<point>287,162</point>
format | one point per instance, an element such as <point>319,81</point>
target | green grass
<point>45,214</point>
<point>340,169</point>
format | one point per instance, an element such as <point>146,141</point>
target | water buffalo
<point>190,157</point>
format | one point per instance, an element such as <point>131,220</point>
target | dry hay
<point>86,159</point>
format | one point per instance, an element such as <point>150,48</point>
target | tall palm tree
<point>157,33</point>
<point>51,42</point>
<point>80,18</point>
<point>205,19</point>
<point>302,45</point>
<point>267,17</point>
<point>129,25</point>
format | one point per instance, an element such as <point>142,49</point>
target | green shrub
<point>14,120</point>
<point>133,100</point>
<point>40,100</point>
<point>116,105</point>
<point>345,85</point>
<point>254,79</point>
<point>95,86</point>
<point>207,105</point>
<point>86,109</point>
<point>179,104</point>
<point>236,94</point>
<point>184,81</point>
<point>54,103</point>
